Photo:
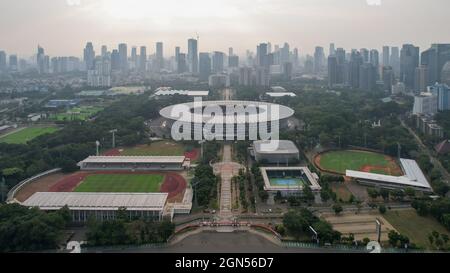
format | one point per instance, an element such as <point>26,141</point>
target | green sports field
<point>340,161</point>
<point>121,183</point>
<point>160,148</point>
<point>27,134</point>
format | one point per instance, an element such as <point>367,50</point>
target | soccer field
<point>79,113</point>
<point>27,134</point>
<point>160,148</point>
<point>340,161</point>
<point>121,183</point>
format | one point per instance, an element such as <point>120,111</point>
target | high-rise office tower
<point>287,71</point>
<point>445,74</point>
<point>217,62</point>
<point>395,60</point>
<point>332,70</point>
<point>245,76</point>
<point>332,49</point>
<point>159,56</point>
<point>353,69</point>
<point>435,58</point>
<point>40,58</point>
<point>295,57</point>
<point>442,91</point>
<point>233,61</point>
<point>2,61</point>
<point>193,56</point>
<point>100,76</point>
<point>182,66</point>
<point>284,54</point>
<point>134,58</point>
<point>115,60</point>
<point>319,59</point>
<point>409,60</point>
<point>261,54</point>
<point>123,56</point>
<point>365,54</point>
<point>367,77</point>
<point>386,56</point>
<point>230,51</point>
<point>421,79</point>
<point>143,59</point>
<point>13,63</point>
<point>262,77</point>
<point>204,66</point>
<point>269,48</point>
<point>104,51</point>
<point>388,78</point>
<point>375,61</point>
<point>341,63</point>
<point>89,56</point>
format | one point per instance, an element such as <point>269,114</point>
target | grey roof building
<point>276,151</point>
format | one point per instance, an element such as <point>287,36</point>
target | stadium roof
<point>253,112</point>
<point>97,201</point>
<point>413,177</point>
<point>134,159</point>
<point>275,147</point>
<point>182,92</point>
<point>278,89</point>
<point>281,94</point>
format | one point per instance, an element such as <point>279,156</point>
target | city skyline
<point>236,24</point>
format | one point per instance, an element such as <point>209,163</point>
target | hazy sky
<point>63,27</point>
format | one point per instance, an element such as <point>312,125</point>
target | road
<point>427,151</point>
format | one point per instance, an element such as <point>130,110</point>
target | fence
<point>21,184</point>
<point>344,248</point>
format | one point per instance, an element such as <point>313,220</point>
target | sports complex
<point>153,187</point>
<point>374,169</point>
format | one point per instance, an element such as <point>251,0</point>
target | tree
<point>384,193</point>
<point>382,209</point>
<point>373,193</point>
<point>337,209</point>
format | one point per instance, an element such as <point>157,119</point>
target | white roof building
<point>97,201</point>
<point>134,159</point>
<point>413,177</point>
<point>281,94</point>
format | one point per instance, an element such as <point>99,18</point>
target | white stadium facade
<point>102,206</point>
<point>413,178</point>
<point>134,163</point>
<point>228,120</point>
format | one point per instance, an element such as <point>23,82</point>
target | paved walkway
<point>227,170</point>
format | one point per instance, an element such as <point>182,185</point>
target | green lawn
<point>417,228</point>
<point>121,183</point>
<point>160,148</point>
<point>27,134</point>
<point>340,161</point>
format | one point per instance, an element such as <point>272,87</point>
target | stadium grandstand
<point>102,206</point>
<point>413,178</point>
<point>134,163</point>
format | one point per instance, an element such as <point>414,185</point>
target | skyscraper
<point>2,61</point>
<point>233,61</point>
<point>204,66</point>
<point>421,79</point>
<point>159,56</point>
<point>217,62</point>
<point>40,58</point>
<point>388,78</point>
<point>13,63</point>
<point>193,56</point>
<point>182,66</point>
<point>332,49</point>
<point>386,56</point>
<point>365,54</point>
<point>143,59</point>
<point>409,60</point>
<point>375,61</point>
<point>319,59</point>
<point>104,51</point>
<point>395,60</point>
<point>435,58</point>
<point>89,56</point>
<point>332,70</point>
<point>261,54</point>
<point>134,58</point>
<point>367,77</point>
<point>123,57</point>
<point>115,60</point>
